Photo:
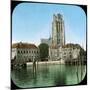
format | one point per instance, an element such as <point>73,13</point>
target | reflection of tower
<point>58,32</point>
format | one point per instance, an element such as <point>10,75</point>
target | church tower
<point>58,32</point>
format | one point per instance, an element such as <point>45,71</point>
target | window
<point>18,52</point>
<point>21,51</point>
<point>24,51</point>
<point>70,56</point>
<point>27,51</point>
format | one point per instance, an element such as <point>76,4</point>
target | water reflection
<point>48,75</point>
<point>60,77</point>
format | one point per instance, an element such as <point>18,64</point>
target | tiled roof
<point>24,45</point>
<point>70,45</point>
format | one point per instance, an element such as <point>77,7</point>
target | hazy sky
<point>33,21</point>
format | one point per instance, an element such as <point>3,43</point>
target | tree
<point>44,51</point>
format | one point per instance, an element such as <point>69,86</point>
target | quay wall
<point>46,62</point>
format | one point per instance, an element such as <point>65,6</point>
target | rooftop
<point>24,45</point>
<point>71,45</point>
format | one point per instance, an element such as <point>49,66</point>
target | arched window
<point>21,51</point>
<point>27,51</point>
<point>18,52</point>
<point>24,51</point>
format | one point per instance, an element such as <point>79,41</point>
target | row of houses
<point>25,52</point>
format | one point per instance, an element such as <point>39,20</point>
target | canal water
<point>48,75</point>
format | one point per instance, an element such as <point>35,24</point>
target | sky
<point>33,21</point>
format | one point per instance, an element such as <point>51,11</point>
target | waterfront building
<point>69,52</point>
<point>72,53</point>
<point>24,52</point>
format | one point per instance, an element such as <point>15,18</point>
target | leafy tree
<point>44,51</point>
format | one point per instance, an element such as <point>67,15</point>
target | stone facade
<point>58,32</point>
<point>66,52</point>
<point>58,36</point>
<point>24,52</point>
<point>69,52</point>
<point>58,50</point>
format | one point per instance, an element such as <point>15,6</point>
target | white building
<point>69,52</point>
<point>66,52</point>
<point>22,52</point>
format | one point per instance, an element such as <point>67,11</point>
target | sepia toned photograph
<point>48,45</point>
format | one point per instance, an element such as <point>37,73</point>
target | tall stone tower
<point>58,32</point>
